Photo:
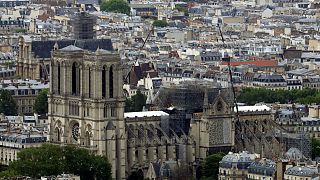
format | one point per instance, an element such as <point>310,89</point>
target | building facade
<point>213,129</point>
<point>86,104</point>
<point>86,108</point>
<point>235,165</point>
<point>24,92</point>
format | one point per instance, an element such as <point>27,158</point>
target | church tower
<point>86,103</point>
<point>213,129</point>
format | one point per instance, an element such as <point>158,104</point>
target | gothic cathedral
<point>86,103</point>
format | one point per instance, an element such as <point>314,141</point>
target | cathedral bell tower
<point>213,130</point>
<point>86,104</point>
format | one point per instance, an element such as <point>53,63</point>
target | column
<point>97,82</point>
<point>119,86</point>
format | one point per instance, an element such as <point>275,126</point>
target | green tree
<point>210,167</point>
<point>183,9</point>
<point>160,23</point>
<point>128,105</point>
<point>39,161</point>
<point>136,102</point>
<point>315,145</point>
<point>117,6</point>
<point>252,96</point>
<point>139,100</point>
<point>8,174</point>
<point>51,159</point>
<point>41,103</point>
<point>8,105</point>
<point>21,30</point>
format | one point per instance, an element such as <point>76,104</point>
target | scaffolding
<point>83,26</point>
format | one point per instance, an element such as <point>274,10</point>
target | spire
<point>56,46</point>
<point>137,63</point>
<point>98,50</point>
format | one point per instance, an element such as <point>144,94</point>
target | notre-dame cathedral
<point>86,108</point>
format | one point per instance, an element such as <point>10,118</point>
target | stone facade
<point>34,56</point>
<point>213,129</point>
<point>86,108</point>
<point>86,105</point>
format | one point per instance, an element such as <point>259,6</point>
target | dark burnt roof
<point>42,49</point>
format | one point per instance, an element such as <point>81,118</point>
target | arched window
<point>40,71</point>
<point>57,133</point>
<point>103,90</point>
<point>74,79</point>
<point>111,82</point>
<point>87,139</point>
<point>59,78</point>
<point>89,83</point>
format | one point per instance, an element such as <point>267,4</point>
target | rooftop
<point>302,171</point>
<point>145,114</point>
<point>253,108</point>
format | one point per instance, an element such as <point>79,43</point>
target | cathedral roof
<point>71,48</point>
<point>253,108</point>
<point>103,51</point>
<point>42,49</point>
<point>145,114</point>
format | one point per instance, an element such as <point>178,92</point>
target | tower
<point>83,26</point>
<point>86,104</point>
<point>213,128</point>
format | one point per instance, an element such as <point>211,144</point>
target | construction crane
<point>140,49</point>
<point>228,60</point>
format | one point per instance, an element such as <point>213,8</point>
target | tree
<point>128,105</point>
<point>252,96</point>
<point>160,23</point>
<point>139,101</point>
<point>39,161</point>
<point>210,168</point>
<point>8,105</point>
<point>182,9</point>
<point>41,103</point>
<point>117,6</point>
<point>49,160</point>
<point>136,102</point>
<point>21,30</point>
<point>315,144</point>
<point>86,165</point>
<point>136,175</point>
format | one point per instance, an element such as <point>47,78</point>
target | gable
<point>42,49</point>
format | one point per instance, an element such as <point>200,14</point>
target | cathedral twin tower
<point>86,103</point>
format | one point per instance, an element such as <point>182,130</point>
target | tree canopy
<point>210,167</point>
<point>136,102</point>
<point>49,160</point>
<point>41,103</point>
<point>116,6</point>
<point>182,9</point>
<point>160,23</point>
<point>252,96</point>
<point>8,105</point>
<point>315,145</point>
